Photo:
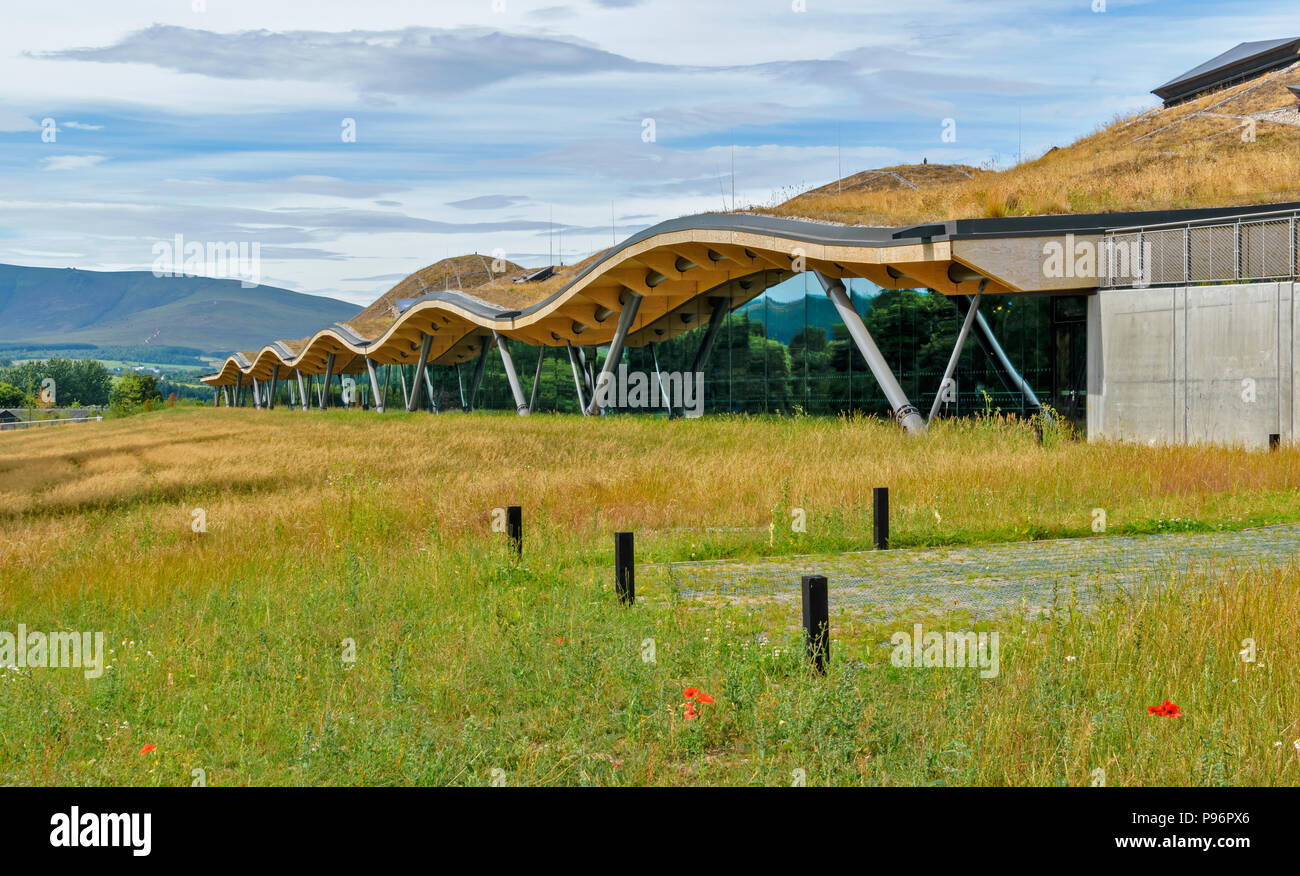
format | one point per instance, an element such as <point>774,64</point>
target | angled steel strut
<point>956,351</point>
<point>904,410</point>
<point>1010,377</point>
<point>417,380</point>
<point>513,378</point>
<point>374,385</point>
<point>625,320</point>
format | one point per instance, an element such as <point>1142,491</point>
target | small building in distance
<point>1238,64</point>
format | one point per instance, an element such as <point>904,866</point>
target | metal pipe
<point>374,385</point>
<point>257,394</point>
<point>956,351</point>
<point>904,410</point>
<point>625,320</point>
<point>275,379</point>
<point>428,389</point>
<point>659,376</point>
<point>577,379</point>
<point>716,318</point>
<point>1006,371</point>
<point>537,379</point>
<point>511,377</point>
<point>477,379</point>
<point>302,392</point>
<point>417,379</point>
<point>325,384</point>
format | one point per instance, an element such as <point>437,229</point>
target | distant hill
<point>785,319</point>
<point>65,305</point>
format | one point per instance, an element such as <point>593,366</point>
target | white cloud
<point>70,162</point>
<point>13,122</point>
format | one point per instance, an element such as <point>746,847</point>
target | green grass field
<point>328,533</point>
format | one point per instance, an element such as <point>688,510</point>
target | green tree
<point>11,396</point>
<point>76,382</point>
<point>134,392</point>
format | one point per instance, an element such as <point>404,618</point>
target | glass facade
<point>788,352</point>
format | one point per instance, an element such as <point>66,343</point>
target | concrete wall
<point>1200,364</point>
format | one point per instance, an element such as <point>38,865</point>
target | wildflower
<point>1165,710</point>
<point>148,748</point>
<point>690,693</point>
<point>691,714</point>
<point>1070,658</point>
<point>704,698</point>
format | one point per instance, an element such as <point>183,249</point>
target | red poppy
<point>690,693</point>
<point>148,748</point>
<point>1165,710</point>
<point>704,698</point>
<point>691,714</point>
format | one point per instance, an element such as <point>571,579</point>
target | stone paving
<point>986,580</point>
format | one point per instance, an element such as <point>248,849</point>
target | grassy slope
<point>467,662</point>
<point>135,307</point>
<point>1191,155</point>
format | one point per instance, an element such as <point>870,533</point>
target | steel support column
<point>1007,372</point>
<point>374,385</point>
<point>275,380</point>
<point>417,380</point>
<point>718,315</point>
<point>512,378</point>
<point>908,416</point>
<point>478,376</point>
<point>625,320</point>
<point>428,389</point>
<point>577,378</point>
<point>537,379</point>
<point>257,394</point>
<point>325,383</point>
<point>956,352</point>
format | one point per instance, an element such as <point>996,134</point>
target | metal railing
<point>1254,248</point>
<point>23,424</point>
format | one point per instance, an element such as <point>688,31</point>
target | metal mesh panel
<point>1260,249</point>
<point>1120,259</point>
<point>1266,250</point>
<point>1200,255</point>
<point>1164,257</point>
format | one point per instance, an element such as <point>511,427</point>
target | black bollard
<point>880,517</point>
<point>515,529</point>
<point>624,568</point>
<point>816,621</point>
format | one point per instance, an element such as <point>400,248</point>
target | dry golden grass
<point>582,479</point>
<point>347,525</point>
<point>1190,155</point>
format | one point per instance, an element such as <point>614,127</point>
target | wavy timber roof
<point>1235,65</point>
<point>685,267</point>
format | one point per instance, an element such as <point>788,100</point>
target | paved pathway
<point>987,580</point>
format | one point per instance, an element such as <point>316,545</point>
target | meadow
<point>349,616</point>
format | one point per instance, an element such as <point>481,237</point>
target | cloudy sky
<point>505,124</point>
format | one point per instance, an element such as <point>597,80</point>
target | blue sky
<point>515,125</point>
